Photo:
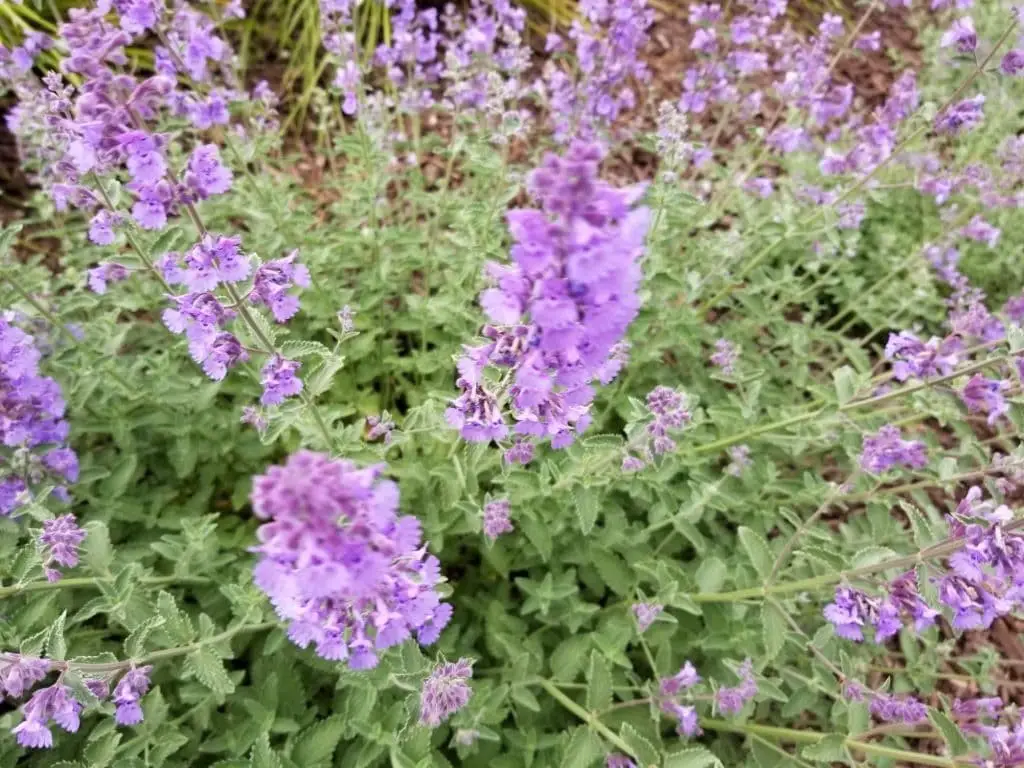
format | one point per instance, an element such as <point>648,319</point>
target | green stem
<point>94,582</point>
<point>39,307</point>
<point>589,718</point>
<point>793,736</point>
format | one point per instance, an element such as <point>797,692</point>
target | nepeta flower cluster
<point>445,691</point>
<point>727,699</point>
<point>669,412</point>
<point>887,449</point>
<point>496,518</point>
<point>339,565</point>
<point>60,540</point>
<point>980,582</point>
<point>559,311</point>
<point>32,424</point>
<point>58,704</point>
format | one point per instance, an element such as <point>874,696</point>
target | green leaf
<point>176,623</point>
<point>135,644</point>
<point>262,756</point>
<point>872,556</point>
<point>599,683</point>
<point>846,383</point>
<point>831,749</point>
<point>583,749</point>
<point>294,350</point>
<point>56,647</point>
<point>642,748</point>
<point>318,742</point>
<point>773,629</point>
<point>97,553</point>
<point>587,507</point>
<point>950,732</point>
<point>524,696</point>
<point>209,670</point>
<point>100,752</point>
<point>322,378</point>
<point>711,575</point>
<point>694,757</point>
<point>757,550</point>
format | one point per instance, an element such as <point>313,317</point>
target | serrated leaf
<point>872,556</point>
<point>262,329</point>
<point>56,646</point>
<point>209,670</point>
<point>773,629</point>
<point>599,683</point>
<point>583,749</point>
<point>100,752</point>
<point>641,747</point>
<point>831,749</point>
<point>587,506</point>
<point>950,732</point>
<point>317,742</point>
<point>176,624</point>
<point>322,378</point>
<point>524,697</point>
<point>711,575</point>
<point>294,350</point>
<point>694,757</point>
<point>757,550</point>
<point>97,554</point>
<point>262,756</point>
<point>135,644</point>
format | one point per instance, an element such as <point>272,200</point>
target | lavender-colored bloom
<point>725,356</point>
<point>205,175</point>
<point>869,42</point>
<point>224,352</point>
<point>60,539</point>
<point>128,694</point>
<point>445,691</point>
<point>682,680</point>
<point>898,709</point>
<point>739,460</point>
<point>732,700</point>
<point>101,229</point>
<point>20,673</point>
<point>646,614</point>
<point>252,416</point>
<point>213,260</point>
<point>338,563</point>
<point>962,116</point>
<point>561,309</point>
<point>687,724</point>
<point>762,187</point>
<point>849,612</point>
<point>632,463</point>
<point>521,452</point>
<point>916,359</point>
<point>980,230</point>
<point>280,380</point>
<point>53,703</point>
<point>496,518</point>
<point>105,274</point>
<point>982,395</point>
<point>272,283</point>
<point>1012,63</point>
<point>618,760</point>
<point>886,449</point>
<point>960,34</point>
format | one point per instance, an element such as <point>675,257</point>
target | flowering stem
<point>793,736</point>
<point>95,581</point>
<point>941,549</point>
<point>589,718</point>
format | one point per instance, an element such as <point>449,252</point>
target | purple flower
<point>1012,63</point>
<point>762,187</point>
<point>739,460</point>
<point>886,449</point>
<point>54,703</point>
<point>101,228</point>
<point>252,416</point>
<point>128,694</point>
<point>338,563</point>
<point>272,282</point>
<point>682,680</point>
<point>561,309</point>
<point>213,260</point>
<point>725,356</point>
<point>20,673</point>
<point>61,538</point>
<point>445,691</point>
<point>962,116</point>
<point>916,359</point>
<point>960,34</point>
<point>688,724</point>
<point>980,230</point>
<point>982,395</point>
<point>110,272</point>
<point>521,452</point>
<point>730,701</point>
<point>898,709</point>
<point>496,518</point>
<point>223,352</point>
<point>849,611</point>
<point>618,760</point>
<point>205,175</point>
<point>646,614</point>
<point>279,380</point>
